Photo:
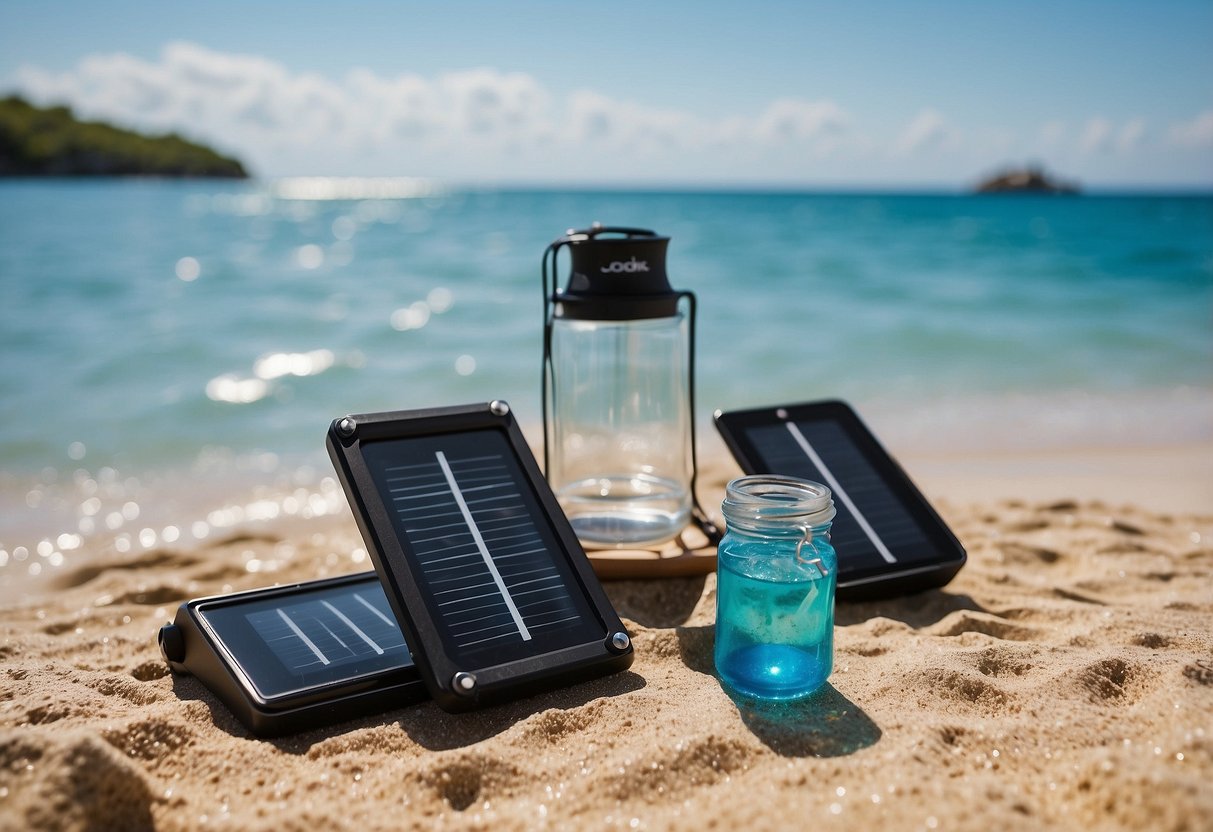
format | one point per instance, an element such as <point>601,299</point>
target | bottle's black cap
<point>617,278</point>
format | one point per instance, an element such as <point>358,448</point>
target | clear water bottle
<point>618,387</point>
<point>776,575</point>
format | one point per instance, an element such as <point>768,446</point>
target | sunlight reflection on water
<point>320,188</point>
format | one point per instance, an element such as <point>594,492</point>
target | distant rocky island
<point>1027,180</point>
<point>51,141</point>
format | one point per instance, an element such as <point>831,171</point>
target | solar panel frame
<point>198,643</point>
<point>883,579</point>
<point>455,682</point>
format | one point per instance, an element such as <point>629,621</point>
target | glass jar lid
<point>773,503</point>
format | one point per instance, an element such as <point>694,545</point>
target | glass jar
<point>776,575</point>
<point>620,460</point>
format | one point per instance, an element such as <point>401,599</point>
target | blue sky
<point>864,93</point>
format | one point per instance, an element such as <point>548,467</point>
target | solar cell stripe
<point>357,630</point>
<point>537,580</point>
<point>527,540</point>
<point>530,572</point>
<point>474,614</point>
<point>520,554</point>
<point>453,547</point>
<point>375,610</point>
<point>533,591</point>
<point>452,568</point>
<point>469,598</point>
<point>553,623</point>
<point>480,544</point>
<point>405,488</point>
<point>494,500</point>
<point>488,629</point>
<point>466,586</point>
<point>485,640</point>
<point>436,528</point>
<point>303,637</point>
<point>840,492</point>
<point>338,638</point>
<point>452,557</point>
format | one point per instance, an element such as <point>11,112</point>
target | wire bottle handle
<point>815,561</point>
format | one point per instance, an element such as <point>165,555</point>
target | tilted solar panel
<point>492,590</point>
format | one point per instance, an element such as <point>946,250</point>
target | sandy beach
<point>1063,680</point>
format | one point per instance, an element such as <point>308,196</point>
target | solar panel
<point>888,538</point>
<point>492,590</point>
<point>291,643</point>
<point>297,656</point>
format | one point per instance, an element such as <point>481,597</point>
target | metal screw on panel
<point>620,642</point>
<point>499,408</point>
<point>463,682</point>
<point>347,426</point>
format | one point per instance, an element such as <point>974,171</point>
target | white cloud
<point>488,124</point>
<point>1096,136</point>
<point>1195,133</point>
<point>927,130</point>
<point>1100,135</point>
<point>601,122</point>
<point>260,110</point>
<point>1130,135</point>
<point>797,120</point>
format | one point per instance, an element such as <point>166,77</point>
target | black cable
<point>698,515</point>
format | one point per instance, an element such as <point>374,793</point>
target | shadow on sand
<point>659,604</point>
<point>826,724</point>
<point>426,723</point>
<point>922,609</point>
<point>437,730</point>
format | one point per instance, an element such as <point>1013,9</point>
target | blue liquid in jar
<point>774,626</point>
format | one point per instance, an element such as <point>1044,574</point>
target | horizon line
<point>395,187</point>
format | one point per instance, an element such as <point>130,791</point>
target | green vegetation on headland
<point>1029,180</point>
<point>51,141</point>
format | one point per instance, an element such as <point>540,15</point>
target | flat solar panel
<point>490,586</point>
<point>289,643</point>
<point>297,656</point>
<point>887,536</point>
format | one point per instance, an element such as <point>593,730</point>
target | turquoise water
<point>156,334</point>
<point>774,620</point>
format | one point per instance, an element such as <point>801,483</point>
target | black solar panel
<point>490,586</point>
<point>887,536</point>
<point>479,546</point>
<point>297,656</point>
<point>288,643</point>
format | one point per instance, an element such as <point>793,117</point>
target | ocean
<point>178,346</point>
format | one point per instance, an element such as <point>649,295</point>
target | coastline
<point>105,513</point>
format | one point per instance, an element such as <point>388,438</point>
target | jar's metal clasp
<point>800,558</point>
